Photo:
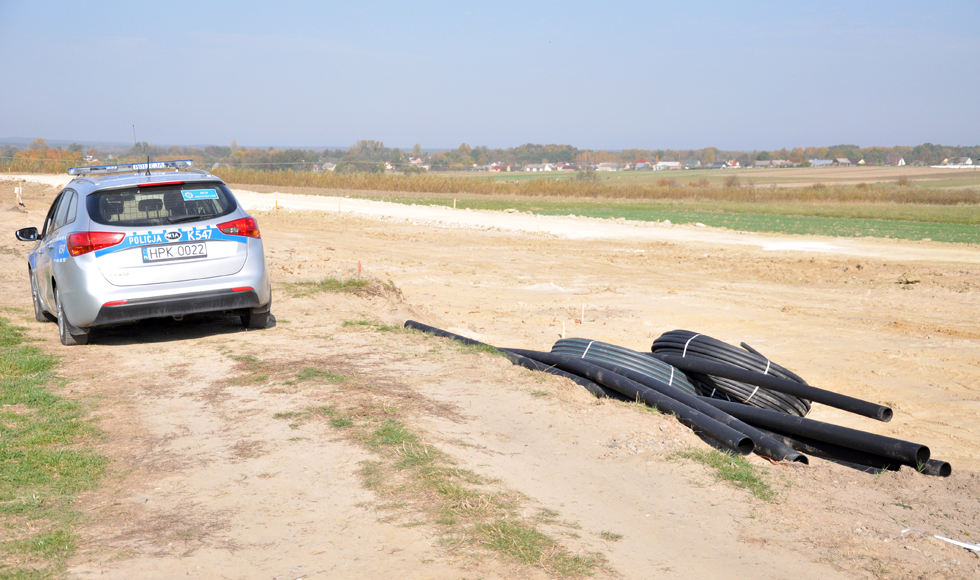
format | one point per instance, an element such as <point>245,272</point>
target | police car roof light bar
<point>100,169</point>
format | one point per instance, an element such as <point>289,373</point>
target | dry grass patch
<point>357,286</point>
<point>414,480</point>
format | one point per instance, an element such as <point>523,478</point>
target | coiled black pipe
<point>708,367</point>
<point>643,363</point>
<point>687,343</point>
<point>764,444</point>
<point>597,390</point>
<point>698,421</point>
<point>905,452</point>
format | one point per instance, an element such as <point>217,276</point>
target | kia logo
<point>173,236</point>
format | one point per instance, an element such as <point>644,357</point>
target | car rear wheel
<point>70,335</point>
<point>252,319</point>
<point>40,314</point>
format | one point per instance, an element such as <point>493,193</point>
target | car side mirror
<point>26,234</point>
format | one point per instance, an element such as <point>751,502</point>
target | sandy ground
<point>207,483</point>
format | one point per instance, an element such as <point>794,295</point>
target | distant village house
<point>609,166</point>
<point>535,167</point>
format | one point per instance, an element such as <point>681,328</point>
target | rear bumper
<point>178,305</point>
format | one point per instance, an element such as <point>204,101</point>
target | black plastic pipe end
<point>936,467</point>
<point>745,445</point>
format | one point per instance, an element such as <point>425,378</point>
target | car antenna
<point>136,145</point>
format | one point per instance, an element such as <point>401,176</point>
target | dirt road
<point>220,470</point>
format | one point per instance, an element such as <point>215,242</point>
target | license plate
<point>174,252</point>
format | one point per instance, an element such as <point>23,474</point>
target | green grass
<point>55,545</point>
<point>641,407</point>
<point>733,469</point>
<point>341,422</point>
<point>315,374</point>
<point>331,284</point>
<point>253,371</point>
<point>373,325</point>
<point>941,223</point>
<point>527,545</point>
<point>963,230</point>
<point>476,348</point>
<point>45,461</point>
<point>610,536</point>
<point>288,415</point>
<point>391,432</point>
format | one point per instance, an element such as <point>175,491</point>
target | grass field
<point>957,224</point>
<point>912,203</point>
<point>804,225</point>
<point>45,461</point>
<point>809,185</point>
<point>789,177</point>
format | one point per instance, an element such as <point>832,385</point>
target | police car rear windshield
<point>156,205</point>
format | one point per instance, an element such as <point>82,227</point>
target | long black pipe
<point>764,444</point>
<point>697,364</point>
<point>697,420</point>
<point>826,450</point>
<point>443,333</point>
<point>905,452</point>
<point>597,390</point>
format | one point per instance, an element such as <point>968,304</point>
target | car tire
<point>40,314</point>
<point>70,335</point>
<point>253,319</point>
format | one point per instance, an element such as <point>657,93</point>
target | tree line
<point>368,156</point>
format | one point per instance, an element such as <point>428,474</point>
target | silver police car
<point>123,243</point>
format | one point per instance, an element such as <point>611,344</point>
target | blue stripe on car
<point>135,240</point>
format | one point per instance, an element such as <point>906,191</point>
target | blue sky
<point>595,75</point>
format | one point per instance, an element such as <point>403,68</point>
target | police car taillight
<point>241,227</point>
<point>84,242</point>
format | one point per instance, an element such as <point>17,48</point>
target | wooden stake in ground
<point>454,203</point>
